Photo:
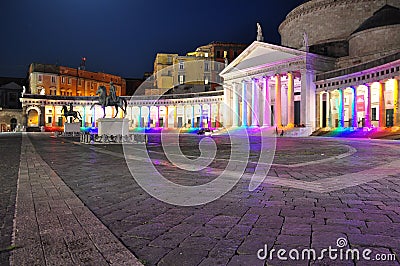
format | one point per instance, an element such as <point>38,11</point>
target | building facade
<point>64,85</point>
<point>195,72</point>
<point>10,107</point>
<point>328,72</point>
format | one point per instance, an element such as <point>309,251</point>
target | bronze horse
<point>106,100</point>
<point>67,113</point>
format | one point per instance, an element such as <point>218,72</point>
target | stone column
<point>166,117</point>
<point>244,104</point>
<point>354,108</point>
<point>290,104</point>
<point>396,115</point>
<point>149,118</point>
<point>267,102</point>
<point>24,117</point>
<point>278,103</point>
<point>341,108</point>
<point>227,107</point>
<point>192,121</point>
<point>42,116</point>
<point>176,116</point>
<point>254,103</point>
<point>235,105</point>
<point>321,110</point>
<point>217,119</point>
<point>184,120</point>
<point>158,117</point>
<point>307,103</point>
<point>83,124</point>
<point>368,107</point>
<point>382,109</point>
<point>209,116</point>
<point>328,109</point>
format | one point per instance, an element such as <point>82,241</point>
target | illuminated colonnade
<point>265,101</point>
<point>370,104</point>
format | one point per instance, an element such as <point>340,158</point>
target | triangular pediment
<point>260,53</point>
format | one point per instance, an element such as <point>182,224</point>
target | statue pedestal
<point>113,126</point>
<point>72,127</point>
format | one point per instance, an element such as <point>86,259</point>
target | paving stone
<point>184,257</point>
<point>275,213</point>
<point>245,260</point>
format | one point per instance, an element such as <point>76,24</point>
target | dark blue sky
<point>123,36</point>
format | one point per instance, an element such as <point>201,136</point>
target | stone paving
<point>232,229</point>
<point>10,145</point>
<point>53,227</point>
<point>317,190</point>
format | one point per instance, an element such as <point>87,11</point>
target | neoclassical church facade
<point>337,67</point>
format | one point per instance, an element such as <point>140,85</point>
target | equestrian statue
<point>110,100</point>
<point>70,112</point>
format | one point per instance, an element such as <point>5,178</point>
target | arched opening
<point>13,124</point>
<point>33,118</point>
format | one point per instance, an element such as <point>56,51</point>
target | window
<point>53,79</point>
<point>218,54</point>
<point>63,80</point>
<point>181,65</point>
<point>79,82</point>
<point>49,120</point>
<point>78,93</point>
<point>225,54</point>
<point>53,91</point>
<point>169,60</point>
<point>69,80</point>
<point>181,79</point>
<point>235,54</point>
<point>206,67</point>
<point>206,80</point>
<point>205,54</point>
<point>374,114</point>
<point>40,78</point>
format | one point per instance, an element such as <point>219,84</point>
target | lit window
<point>181,66</point>
<point>206,80</point>
<point>63,80</point>
<point>53,79</point>
<point>205,54</point>
<point>69,80</point>
<point>181,79</point>
<point>225,54</point>
<point>79,82</point>
<point>40,78</point>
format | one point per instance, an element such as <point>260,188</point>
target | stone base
<point>113,126</point>
<point>72,127</point>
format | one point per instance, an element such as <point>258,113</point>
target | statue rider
<point>71,108</point>
<point>113,93</point>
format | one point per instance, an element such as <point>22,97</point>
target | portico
<point>269,85</point>
<point>363,99</point>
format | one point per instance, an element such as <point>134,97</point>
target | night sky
<point>123,36</point>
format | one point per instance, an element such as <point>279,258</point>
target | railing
<point>139,97</point>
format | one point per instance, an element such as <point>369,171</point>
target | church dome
<point>386,16</point>
<point>378,34</point>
